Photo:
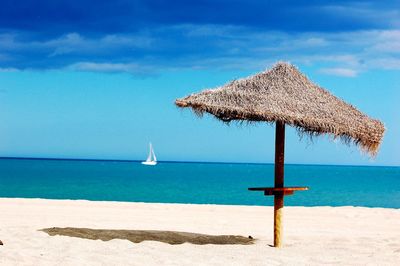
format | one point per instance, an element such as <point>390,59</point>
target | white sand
<point>313,236</point>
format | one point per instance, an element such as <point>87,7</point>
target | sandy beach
<point>313,235</point>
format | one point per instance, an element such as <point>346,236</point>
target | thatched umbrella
<point>285,96</point>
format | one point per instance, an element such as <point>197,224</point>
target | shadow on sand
<point>137,236</point>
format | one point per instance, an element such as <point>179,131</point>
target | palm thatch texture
<point>286,95</point>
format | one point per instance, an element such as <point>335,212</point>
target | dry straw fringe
<point>284,94</point>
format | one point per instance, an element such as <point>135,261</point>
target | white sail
<point>150,153</point>
<point>154,155</point>
<point>151,159</point>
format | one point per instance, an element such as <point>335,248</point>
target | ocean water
<point>205,183</point>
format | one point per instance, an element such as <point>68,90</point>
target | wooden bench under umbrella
<point>285,96</point>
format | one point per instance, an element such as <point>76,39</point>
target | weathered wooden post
<point>279,174</point>
<point>279,190</point>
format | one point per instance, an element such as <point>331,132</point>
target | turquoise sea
<point>206,183</point>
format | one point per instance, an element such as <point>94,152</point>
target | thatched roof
<point>284,94</point>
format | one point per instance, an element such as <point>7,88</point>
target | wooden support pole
<point>279,174</point>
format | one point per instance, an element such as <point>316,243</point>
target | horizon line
<point>172,161</point>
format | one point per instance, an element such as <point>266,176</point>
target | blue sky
<point>97,79</point>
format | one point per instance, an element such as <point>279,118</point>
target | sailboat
<point>151,159</point>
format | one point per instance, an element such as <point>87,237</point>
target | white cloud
<point>132,68</point>
<point>338,59</point>
<point>222,47</point>
<point>129,40</point>
<point>343,72</point>
<point>366,12</point>
<point>67,44</point>
<point>75,43</point>
<point>345,53</point>
<point>207,30</point>
<point>386,63</point>
<point>8,42</point>
<point>387,41</point>
<point>8,69</point>
<point>315,41</point>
